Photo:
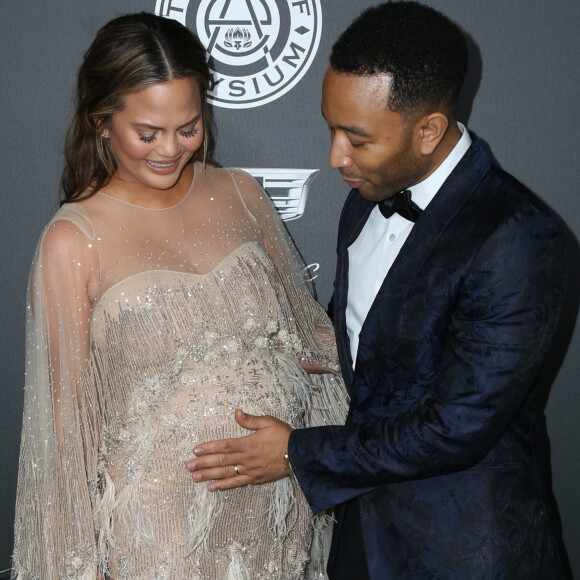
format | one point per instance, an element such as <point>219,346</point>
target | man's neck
<point>446,145</point>
<point>424,191</point>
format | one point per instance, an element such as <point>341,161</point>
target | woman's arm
<point>54,530</point>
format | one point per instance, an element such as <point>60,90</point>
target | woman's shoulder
<point>70,224</point>
<point>222,175</point>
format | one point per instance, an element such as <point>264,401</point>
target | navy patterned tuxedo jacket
<point>440,445</point>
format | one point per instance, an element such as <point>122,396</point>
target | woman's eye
<point>187,134</point>
<point>147,138</point>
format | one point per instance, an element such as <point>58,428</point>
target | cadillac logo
<point>258,49</point>
<point>287,188</point>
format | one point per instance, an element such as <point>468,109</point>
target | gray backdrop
<point>521,99</point>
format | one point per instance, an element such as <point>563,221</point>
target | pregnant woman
<point>165,294</point>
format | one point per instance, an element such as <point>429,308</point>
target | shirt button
<point>392,237</point>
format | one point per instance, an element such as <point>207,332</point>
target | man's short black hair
<point>423,51</point>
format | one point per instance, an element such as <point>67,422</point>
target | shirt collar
<point>424,191</point>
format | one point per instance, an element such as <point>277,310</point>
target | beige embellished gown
<point>191,312</point>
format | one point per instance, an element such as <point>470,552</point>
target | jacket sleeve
<point>504,315</point>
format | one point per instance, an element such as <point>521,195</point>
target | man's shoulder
<point>512,197</point>
<point>499,187</point>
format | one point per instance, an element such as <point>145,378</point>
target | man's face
<point>371,146</point>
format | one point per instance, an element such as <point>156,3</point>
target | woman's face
<point>156,134</point>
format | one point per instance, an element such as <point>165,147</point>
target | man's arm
<point>502,325</point>
<point>259,457</point>
<point>503,321</point>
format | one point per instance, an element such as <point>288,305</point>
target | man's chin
<point>369,192</point>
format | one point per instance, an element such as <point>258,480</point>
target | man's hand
<point>254,458</point>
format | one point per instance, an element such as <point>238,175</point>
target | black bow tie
<point>402,204</point>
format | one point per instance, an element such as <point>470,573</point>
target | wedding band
<point>237,470</point>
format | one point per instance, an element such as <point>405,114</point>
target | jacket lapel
<point>354,216</point>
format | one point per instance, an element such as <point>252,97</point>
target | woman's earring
<point>104,135</point>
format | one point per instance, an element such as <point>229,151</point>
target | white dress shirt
<point>372,254</point>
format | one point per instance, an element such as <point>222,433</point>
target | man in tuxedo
<point>449,285</point>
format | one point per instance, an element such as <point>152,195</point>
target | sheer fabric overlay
<point>190,312</point>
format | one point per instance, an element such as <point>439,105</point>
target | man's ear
<point>430,130</point>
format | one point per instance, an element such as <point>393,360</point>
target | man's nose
<point>338,156</point>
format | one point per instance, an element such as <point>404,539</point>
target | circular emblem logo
<point>258,50</point>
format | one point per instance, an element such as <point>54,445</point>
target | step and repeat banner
<point>259,50</point>
<point>267,60</point>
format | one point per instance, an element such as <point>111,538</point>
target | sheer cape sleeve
<point>314,343</point>
<point>316,340</point>
<point>54,531</point>
<point>325,397</point>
